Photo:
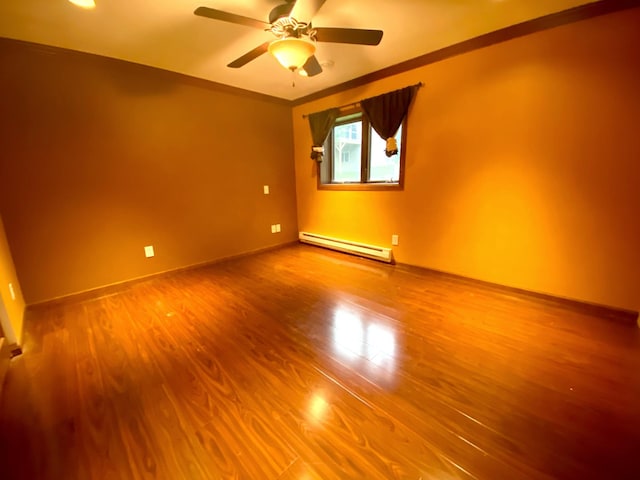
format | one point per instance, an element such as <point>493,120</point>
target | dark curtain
<point>386,113</point>
<point>321,124</point>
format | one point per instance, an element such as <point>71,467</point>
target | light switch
<point>266,189</point>
<point>273,229</point>
<point>278,227</point>
<point>148,251</point>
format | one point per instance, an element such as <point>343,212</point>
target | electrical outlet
<point>11,291</point>
<point>148,251</point>
<point>394,240</point>
<point>277,227</point>
<point>265,189</point>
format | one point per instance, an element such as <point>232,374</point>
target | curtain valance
<point>321,124</point>
<point>385,114</point>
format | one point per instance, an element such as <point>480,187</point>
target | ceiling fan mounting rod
<point>290,27</point>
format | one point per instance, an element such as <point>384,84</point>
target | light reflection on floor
<point>365,344</point>
<point>318,407</point>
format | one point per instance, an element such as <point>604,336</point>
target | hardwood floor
<point>301,363</point>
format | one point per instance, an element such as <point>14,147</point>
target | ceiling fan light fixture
<point>292,52</point>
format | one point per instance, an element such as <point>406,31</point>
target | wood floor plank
<point>304,363</point>
<point>451,391</point>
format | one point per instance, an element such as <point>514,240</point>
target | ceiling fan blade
<point>230,17</point>
<point>304,10</point>
<point>251,55</point>
<point>312,66</point>
<point>349,35</point>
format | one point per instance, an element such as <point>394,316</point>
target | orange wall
<point>523,165</point>
<point>101,157</point>
<point>11,311</point>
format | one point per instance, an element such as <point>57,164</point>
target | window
<point>355,157</point>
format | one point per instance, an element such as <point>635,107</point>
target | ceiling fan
<point>294,46</point>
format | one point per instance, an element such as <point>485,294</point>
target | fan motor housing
<point>280,11</point>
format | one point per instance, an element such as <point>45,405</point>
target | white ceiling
<point>166,34</point>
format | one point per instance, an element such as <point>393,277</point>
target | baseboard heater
<point>370,251</point>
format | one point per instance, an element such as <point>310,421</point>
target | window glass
<point>381,167</point>
<point>355,157</point>
<point>347,152</point>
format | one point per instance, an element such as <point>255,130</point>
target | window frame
<point>325,168</point>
